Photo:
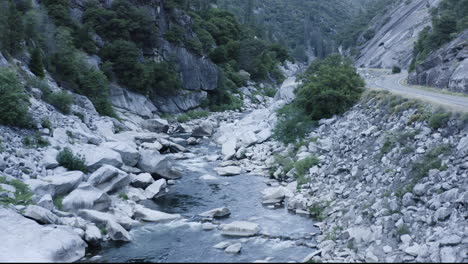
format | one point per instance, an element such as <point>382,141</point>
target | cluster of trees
<point>302,26</point>
<point>349,35</point>
<point>330,86</point>
<point>232,46</point>
<point>448,19</point>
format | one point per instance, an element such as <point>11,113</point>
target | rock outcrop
<point>24,240</point>
<point>446,68</point>
<point>395,35</point>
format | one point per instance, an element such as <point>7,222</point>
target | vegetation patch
<point>67,159</point>
<point>439,120</point>
<point>192,115</point>
<point>13,101</point>
<point>23,195</point>
<point>420,169</point>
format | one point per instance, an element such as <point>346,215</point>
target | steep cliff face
<point>446,68</point>
<point>395,35</point>
<point>197,73</point>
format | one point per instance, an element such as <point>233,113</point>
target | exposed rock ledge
<point>446,68</point>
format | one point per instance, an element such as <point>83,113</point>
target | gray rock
<point>24,240</point>
<point>109,179</point>
<point>228,171</point>
<point>49,160</point>
<point>240,228</point>
<point>142,180</point>
<point>448,255</point>
<point>41,215</point>
<point>149,215</point>
<point>451,240</point>
<point>96,157</point>
<point>155,189</point>
<point>228,149</point>
<point>216,213</point>
<point>443,213</point>
<point>127,150</point>
<point>131,101</point>
<point>408,200</point>
<point>204,129</point>
<point>117,232</point>
<point>59,184</point>
<point>156,125</point>
<point>114,228</point>
<point>46,201</point>
<point>92,235</point>
<point>420,189</point>
<point>155,163</point>
<point>222,245</point>
<point>445,68</point>
<point>234,248</point>
<point>87,196</point>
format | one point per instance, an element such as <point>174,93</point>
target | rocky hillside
<point>446,68</point>
<point>394,35</point>
<point>386,181</point>
<point>174,54</point>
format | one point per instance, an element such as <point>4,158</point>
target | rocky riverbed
<point>389,185</point>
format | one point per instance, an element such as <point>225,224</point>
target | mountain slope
<point>395,35</point>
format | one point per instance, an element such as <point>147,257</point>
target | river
<point>284,236</point>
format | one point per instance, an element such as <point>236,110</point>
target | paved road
<point>394,83</point>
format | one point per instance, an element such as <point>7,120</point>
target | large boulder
<point>59,184</point>
<point>49,160</point>
<point>276,194</point>
<point>142,180</point>
<point>216,213</point>
<point>96,157</point>
<point>156,125</point>
<point>24,240</point>
<point>155,189</point>
<point>127,150</point>
<point>228,149</point>
<point>87,197</point>
<point>109,179</point>
<point>41,215</point>
<point>131,101</point>
<point>114,228</point>
<point>155,163</point>
<point>240,228</point>
<point>228,171</point>
<point>149,215</point>
<point>204,129</point>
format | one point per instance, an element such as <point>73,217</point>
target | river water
<point>284,236</point>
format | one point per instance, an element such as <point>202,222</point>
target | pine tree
<point>14,32</point>
<point>35,65</point>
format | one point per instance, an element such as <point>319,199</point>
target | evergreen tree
<point>35,65</point>
<point>13,33</point>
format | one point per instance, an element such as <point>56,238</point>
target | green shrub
<point>36,141</point>
<point>58,202</point>
<point>292,124</point>
<point>13,101</point>
<point>421,168</point>
<point>438,120</point>
<point>62,101</point>
<point>35,65</point>
<point>396,69</point>
<point>331,86</point>
<point>123,195</point>
<point>302,166</point>
<point>45,123</point>
<point>67,159</point>
<point>23,195</point>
